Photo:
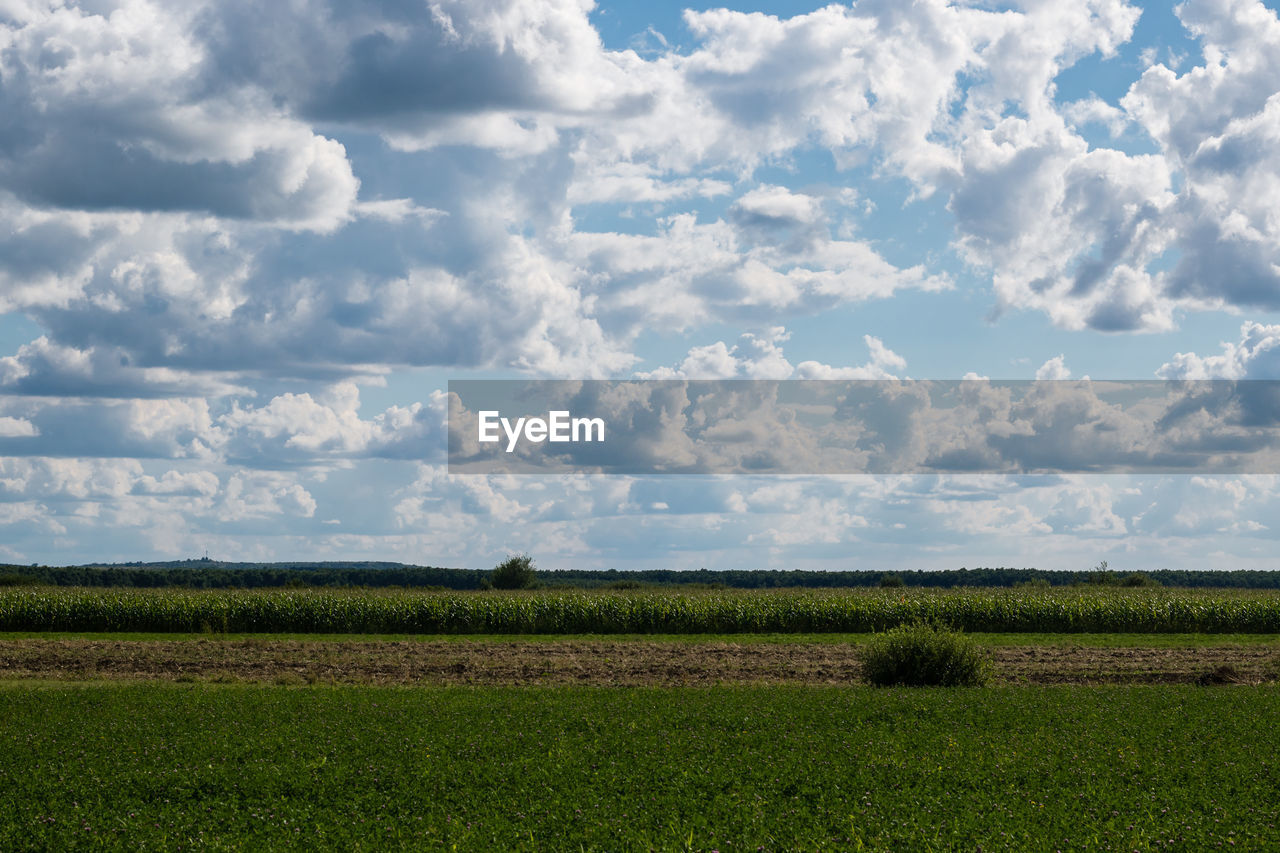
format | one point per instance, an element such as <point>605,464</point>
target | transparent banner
<point>863,426</point>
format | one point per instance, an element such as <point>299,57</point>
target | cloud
<point>297,428</point>
<point>519,110</point>
<point>189,165</point>
<point>1255,356</point>
<point>224,217</point>
<point>753,268</point>
<point>263,495</point>
<point>112,111</point>
<point>500,75</point>
<point>668,424</point>
<point>883,365</point>
<point>1217,124</point>
<point>1054,368</point>
<point>17,428</point>
<point>43,368</point>
<point>759,355</point>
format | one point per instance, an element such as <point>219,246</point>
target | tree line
<point>202,574</point>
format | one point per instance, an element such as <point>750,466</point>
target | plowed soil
<point>615,663</point>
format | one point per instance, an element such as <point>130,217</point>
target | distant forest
<point>210,574</point>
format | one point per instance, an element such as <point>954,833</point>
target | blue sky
<point>243,248</point>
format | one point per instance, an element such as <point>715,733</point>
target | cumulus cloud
<point>43,368</point>
<point>112,111</point>
<point>1054,368</point>
<point>759,355</point>
<point>678,425</point>
<point>884,364</point>
<point>1255,356</point>
<point>317,429</point>
<point>773,257</point>
<point>159,159</point>
<point>155,154</point>
<point>297,428</point>
<point>847,522</point>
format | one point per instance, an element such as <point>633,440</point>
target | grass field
<point>169,767</point>
<point>1082,610</point>
<point>356,720</point>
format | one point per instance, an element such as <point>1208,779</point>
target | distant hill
<point>206,563</point>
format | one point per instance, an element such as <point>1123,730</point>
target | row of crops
<point>315,611</point>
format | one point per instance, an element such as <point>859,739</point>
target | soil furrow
<point>618,663</point>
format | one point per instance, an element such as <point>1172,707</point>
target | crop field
<point>359,720</point>
<point>787,611</point>
<point>209,767</point>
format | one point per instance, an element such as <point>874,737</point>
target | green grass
<point>158,768</point>
<point>783,611</point>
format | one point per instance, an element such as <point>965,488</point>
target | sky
<point>245,246</point>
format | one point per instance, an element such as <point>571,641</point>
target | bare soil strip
<point>614,663</point>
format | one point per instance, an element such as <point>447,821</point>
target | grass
<point>159,768</point>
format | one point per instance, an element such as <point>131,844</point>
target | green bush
<point>921,655</point>
<point>514,573</point>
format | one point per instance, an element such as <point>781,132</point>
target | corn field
<point>785,611</point>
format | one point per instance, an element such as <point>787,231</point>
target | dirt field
<point>620,663</point>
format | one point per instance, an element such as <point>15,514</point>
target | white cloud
<point>17,427</point>
<point>757,267</point>
<point>759,355</point>
<point>1255,356</point>
<point>1054,368</point>
<point>263,495</point>
<point>115,112</point>
<point>884,362</point>
<point>295,428</point>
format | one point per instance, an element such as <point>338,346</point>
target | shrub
<point>514,573</point>
<point>919,655</point>
<point>891,581</point>
<point>1138,579</point>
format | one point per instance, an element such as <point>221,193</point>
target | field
<point>606,660</point>
<point>787,611</point>
<point>670,769</point>
<point>632,721</point>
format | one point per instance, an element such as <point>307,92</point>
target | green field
<point>1112,640</point>
<point>1083,610</point>
<point>169,767</point>
<point>162,766</point>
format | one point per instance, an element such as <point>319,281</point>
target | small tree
<point>891,581</point>
<point>515,572</point>
<point>1102,575</point>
